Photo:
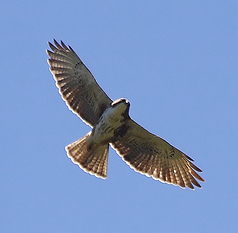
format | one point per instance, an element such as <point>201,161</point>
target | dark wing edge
<point>152,156</point>
<point>77,86</point>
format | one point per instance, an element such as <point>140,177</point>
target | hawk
<point>111,125</point>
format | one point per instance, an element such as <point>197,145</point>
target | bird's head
<point>119,102</point>
<point>122,105</point>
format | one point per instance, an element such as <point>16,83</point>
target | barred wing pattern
<point>76,84</point>
<point>150,155</point>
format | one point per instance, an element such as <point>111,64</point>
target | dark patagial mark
<point>101,108</point>
<point>121,131</point>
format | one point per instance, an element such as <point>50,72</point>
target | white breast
<point>111,120</point>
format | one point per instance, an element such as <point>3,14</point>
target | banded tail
<point>93,161</point>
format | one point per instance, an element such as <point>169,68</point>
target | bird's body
<point>111,125</point>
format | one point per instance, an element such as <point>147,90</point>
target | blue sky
<point>177,64</point>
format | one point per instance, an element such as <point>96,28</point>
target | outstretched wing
<point>150,155</point>
<point>76,84</point>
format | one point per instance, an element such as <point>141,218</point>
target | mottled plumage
<point>111,124</point>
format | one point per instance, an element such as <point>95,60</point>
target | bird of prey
<point>111,124</point>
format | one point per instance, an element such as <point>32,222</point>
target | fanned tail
<point>93,161</point>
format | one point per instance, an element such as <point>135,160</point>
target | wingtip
<point>52,47</point>
<point>63,45</point>
<point>70,48</point>
<point>57,44</point>
<point>55,41</point>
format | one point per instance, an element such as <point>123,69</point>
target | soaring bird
<point>111,125</point>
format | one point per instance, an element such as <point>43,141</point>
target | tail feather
<point>93,161</point>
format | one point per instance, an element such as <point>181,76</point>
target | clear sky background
<point>177,63</point>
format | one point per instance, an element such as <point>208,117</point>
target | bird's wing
<point>150,155</point>
<point>76,84</point>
